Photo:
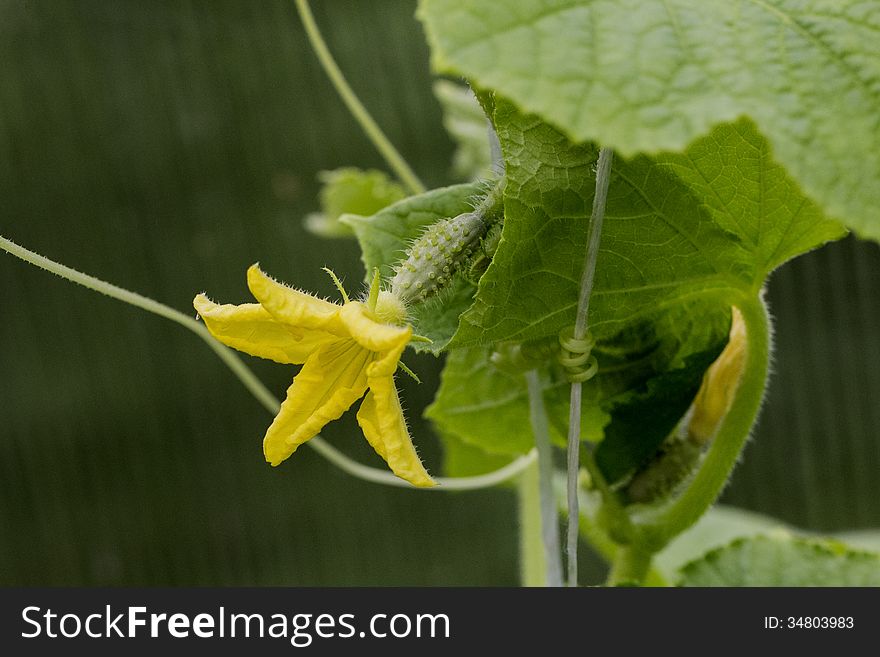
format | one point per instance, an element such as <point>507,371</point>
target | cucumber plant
<point>636,171</point>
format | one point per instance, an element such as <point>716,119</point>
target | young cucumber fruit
<point>437,255</point>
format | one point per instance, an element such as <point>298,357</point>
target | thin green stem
<point>233,362</point>
<point>611,514</point>
<point>253,384</point>
<point>631,565</point>
<point>603,177</point>
<point>532,564</point>
<point>377,476</point>
<point>631,560</point>
<point>594,535</point>
<point>729,440</point>
<point>354,105</point>
<point>549,518</point>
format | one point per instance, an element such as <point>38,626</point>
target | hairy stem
<point>354,105</point>
<point>549,522</point>
<point>603,177</point>
<point>729,440</point>
<point>631,565</point>
<point>233,362</point>
<point>254,385</point>
<point>594,535</point>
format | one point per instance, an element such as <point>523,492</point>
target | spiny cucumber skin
<point>437,255</point>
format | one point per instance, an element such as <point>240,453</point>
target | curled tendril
<point>575,357</point>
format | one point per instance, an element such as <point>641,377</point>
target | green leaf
<point>782,559</point>
<point>676,253</point>
<point>461,459</point>
<point>481,405</point>
<point>651,415</point>
<point>648,376</point>
<point>466,123</point>
<point>645,76</point>
<point>669,237</point>
<point>385,236</point>
<point>733,173</point>
<point>719,526</point>
<point>659,243</point>
<point>486,407</point>
<point>866,539</point>
<point>353,191</point>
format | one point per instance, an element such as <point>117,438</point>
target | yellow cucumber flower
<point>719,384</point>
<point>345,350</point>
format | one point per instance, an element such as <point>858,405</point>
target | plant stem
<point>549,522</point>
<point>354,105</point>
<point>233,362</point>
<point>532,564</point>
<point>631,566</point>
<point>603,177</point>
<point>730,438</point>
<point>254,385</point>
<point>588,528</point>
<point>594,535</point>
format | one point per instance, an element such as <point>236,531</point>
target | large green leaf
<point>781,559</point>
<point>866,539</point>
<point>659,243</point>
<point>650,415</point>
<point>732,172</point>
<point>677,229</point>
<point>677,252</point>
<point>645,76</point>
<point>385,236</point>
<point>486,407</point>
<point>718,527</point>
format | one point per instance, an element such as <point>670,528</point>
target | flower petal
<point>332,379</point>
<point>294,307</point>
<point>381,419</point>
<point>370,333</point>
<point>251,329</point>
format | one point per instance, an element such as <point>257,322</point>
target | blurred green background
<point>166,146</point>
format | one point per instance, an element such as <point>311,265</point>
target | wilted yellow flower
<point>346,350</point>
<point>719,384</point>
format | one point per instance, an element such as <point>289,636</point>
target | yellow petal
<point>251,329</point>
<point>720,383</point>
<point>332,379</point>
<point>381,419</point>
<point>370,333</point>
<point>292,306</point>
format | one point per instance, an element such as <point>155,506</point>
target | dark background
<point>166,146</point>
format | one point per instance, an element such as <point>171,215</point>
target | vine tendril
<point>254,385</point>
<point>575,356</point>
